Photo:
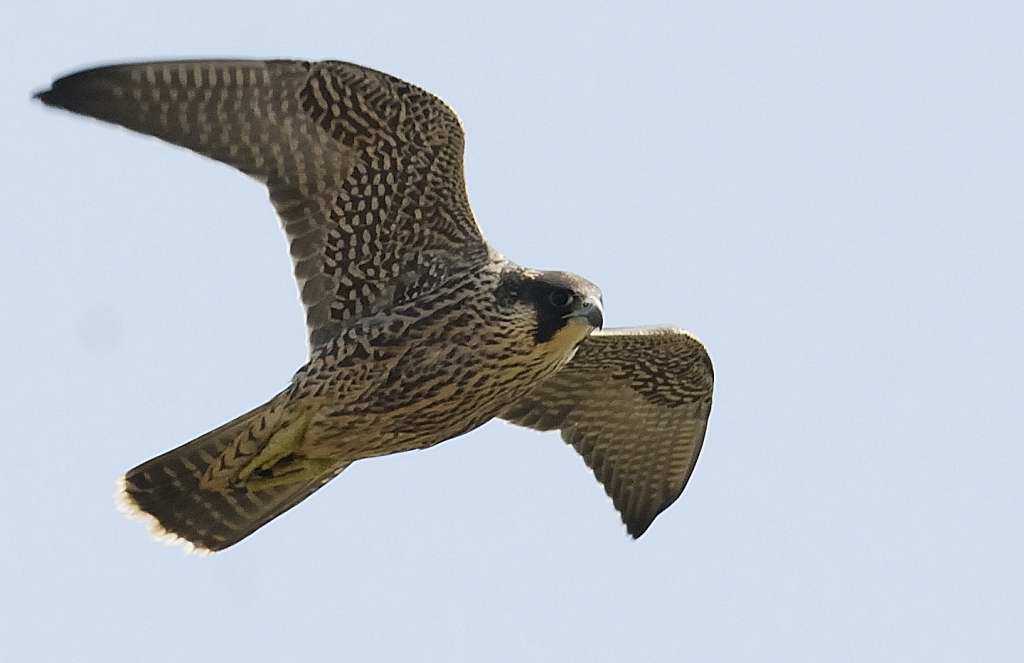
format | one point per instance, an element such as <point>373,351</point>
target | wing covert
<point>364,169</point>
<point>635,404</point>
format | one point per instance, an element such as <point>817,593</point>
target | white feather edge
<point>127,505</point>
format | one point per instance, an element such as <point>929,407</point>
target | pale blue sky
<point>827,193</point>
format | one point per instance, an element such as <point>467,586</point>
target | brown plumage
<point>419,331</point>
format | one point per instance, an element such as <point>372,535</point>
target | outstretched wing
<point>635,404</point>
<point>365,170</point>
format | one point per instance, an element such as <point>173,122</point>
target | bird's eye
<point>560,298</point>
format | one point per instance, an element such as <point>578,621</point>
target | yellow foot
<point>292,470</point>
<point>282,444</point>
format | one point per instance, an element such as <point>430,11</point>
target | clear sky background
<point>829,194</point>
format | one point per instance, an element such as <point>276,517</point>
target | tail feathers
<point>166,492</point>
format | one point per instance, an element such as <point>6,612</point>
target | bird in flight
<point>418,330</point>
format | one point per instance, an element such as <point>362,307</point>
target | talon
<point>291,471</point>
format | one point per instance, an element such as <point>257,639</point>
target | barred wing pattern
<point>364,170</point>
<point>635,404</point>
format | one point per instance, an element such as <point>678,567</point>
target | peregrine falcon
<point>419,330</point>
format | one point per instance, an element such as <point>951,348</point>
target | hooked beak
<point>590,310</point>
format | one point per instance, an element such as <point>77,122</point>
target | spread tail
<point>166,492</point>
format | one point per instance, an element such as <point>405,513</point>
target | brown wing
<point>365,170</point>
<point>635,404</point>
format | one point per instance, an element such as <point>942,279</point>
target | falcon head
<point>558,309</point>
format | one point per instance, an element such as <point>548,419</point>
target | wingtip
<point>77,91</point>
<point>127,505</point>
<point>42,95</point>
<point>52,96</point>
<point>635,533</point>
<point>636,527</point>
